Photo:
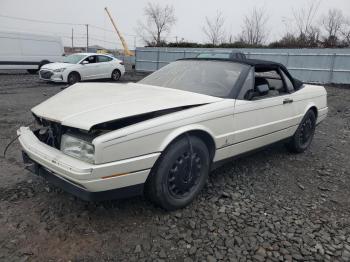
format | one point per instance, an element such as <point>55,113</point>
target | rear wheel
<point>304,134</point>
<point>179,174</point>
<point>116,75</point>
<point>73,78</point>
<point>32,71</point>
<point>42,63</point>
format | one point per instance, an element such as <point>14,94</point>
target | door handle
<point>287,101</point>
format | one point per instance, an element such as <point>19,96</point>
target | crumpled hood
<point>53,66</point>
<point>84,105</point>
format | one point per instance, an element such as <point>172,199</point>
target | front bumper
<point>76,190</point>
<point>92,178</point>
<point>48,75</point>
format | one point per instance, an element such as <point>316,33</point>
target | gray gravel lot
<point>269,206</point>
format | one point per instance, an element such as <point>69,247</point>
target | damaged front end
<point>48,132</point>
<point>78,143</point>
<point>71,141</point>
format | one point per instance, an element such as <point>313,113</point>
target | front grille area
<point>49,133</point>
<point>45,74</point>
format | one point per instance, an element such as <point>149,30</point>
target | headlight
<point>59,70</point>
<point>78,148</point>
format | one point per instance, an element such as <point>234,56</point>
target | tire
<point>32,71</point>
<point>73,78</point>
<point>171,185</point>
<point>116,75</point>
<point>42,63</point>
<point>303,136</point>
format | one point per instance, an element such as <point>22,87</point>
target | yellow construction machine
<point>127,52</point>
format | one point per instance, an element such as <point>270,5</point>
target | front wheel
<point>73,78</point>
<point>116,75</point>
<point>304,134</point>
<point>179,174</point>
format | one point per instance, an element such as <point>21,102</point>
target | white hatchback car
<point>83,66</point>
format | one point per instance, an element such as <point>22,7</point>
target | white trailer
<point>28,51</point>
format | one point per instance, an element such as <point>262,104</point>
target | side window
<point>248,86</point>
<point>102,58</point>
<point>273,78</point>
<point>265,83</point>
<point>289,84</point>
<point>268,83</point>
<point>91,59</point>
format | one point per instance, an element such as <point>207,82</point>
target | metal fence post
<point>287,60</point>
<point>331,69</point>
<point>158,55</point>
<point>184,54</point>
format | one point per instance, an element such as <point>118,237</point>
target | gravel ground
<point>269,206</point>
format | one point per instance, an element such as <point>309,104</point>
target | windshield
<point>214,78</point>
<point>73,59</point>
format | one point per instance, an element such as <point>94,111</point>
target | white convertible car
<point>163,135</point>
<point>83,66</point>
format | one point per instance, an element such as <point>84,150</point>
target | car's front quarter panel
<point>154,135</point>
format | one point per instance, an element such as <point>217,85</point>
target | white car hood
<point>84,105</point>
<point>53,66</point>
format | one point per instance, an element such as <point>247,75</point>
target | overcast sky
<point>190,16</point>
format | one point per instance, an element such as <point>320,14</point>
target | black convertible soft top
<point>259,65</point>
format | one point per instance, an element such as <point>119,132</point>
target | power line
<point>62,23</point>
<point>38,21</point>
<point>72,24</point>
<point>108,30</point>
<point>59,23</point>
<point>36,31</point>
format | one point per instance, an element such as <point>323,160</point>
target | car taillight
<point>122,63</point>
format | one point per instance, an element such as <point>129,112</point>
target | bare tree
<point>304,19</point>
<point>332,23</point>
<point>254,28</point>
<point>214,29</point>
<point>159,21</point>
<point>345,32</point>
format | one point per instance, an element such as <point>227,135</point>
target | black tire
<point>73,78</point>
<point>32,71</point>
<point>303,136</point>
<point>171,185</point>
<point>42,63</point>
<point>116,74</point>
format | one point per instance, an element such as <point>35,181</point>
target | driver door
<point>263,119</point>
<point>89,70</point>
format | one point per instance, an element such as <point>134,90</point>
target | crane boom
<point>126,49</point>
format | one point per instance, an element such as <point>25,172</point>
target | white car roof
<point>91,54</point>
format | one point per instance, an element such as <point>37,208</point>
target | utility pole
<point>87,37</point>
<point>72,39</point>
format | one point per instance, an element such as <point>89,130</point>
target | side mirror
<point>262,89</point>
<point>85,62</point>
